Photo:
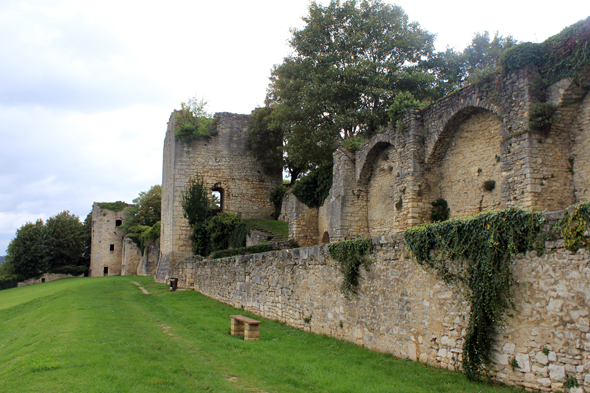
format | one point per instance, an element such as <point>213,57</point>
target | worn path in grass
<point>105,335</point>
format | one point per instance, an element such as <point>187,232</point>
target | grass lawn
<point>273,226</point>
<point>104,335</point>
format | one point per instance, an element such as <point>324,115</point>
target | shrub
<point>401,103</point>
<point>541,116</point>
<point>193,121</point>
<point>440,210</point>
<point>489,185</point>
<point>313,188</point>
<point>225,227</point>
<point>522,55</point>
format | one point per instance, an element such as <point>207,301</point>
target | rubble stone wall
<point>107,242</point>
<point>407,311</point>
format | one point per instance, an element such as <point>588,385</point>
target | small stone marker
<point>244,326</point>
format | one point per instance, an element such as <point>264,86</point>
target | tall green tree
<point>65,238</point>
<point>484,52</point>
<point>26,253</point>
<point>265,143</point>
<point>348,64</point>
<point>146,209</point>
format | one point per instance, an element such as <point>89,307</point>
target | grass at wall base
<point>104,335</point>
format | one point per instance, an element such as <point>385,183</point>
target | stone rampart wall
<point>404,310</point>
<point>46,277</point>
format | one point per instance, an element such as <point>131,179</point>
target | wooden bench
<point>244,326</point>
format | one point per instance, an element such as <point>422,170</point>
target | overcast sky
<point>86,88</point>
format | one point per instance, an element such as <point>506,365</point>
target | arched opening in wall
<point>105,271</point>
<point>465,167</point>
<point>325,238</point>
<point>217,200</point>
<point>384,190</point>
<point>118,223</point>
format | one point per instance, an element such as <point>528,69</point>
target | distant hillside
<point>2,260</point>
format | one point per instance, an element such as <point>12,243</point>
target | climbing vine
<point>477,254</point>
<point>350,255</point>
<point>573,227</point>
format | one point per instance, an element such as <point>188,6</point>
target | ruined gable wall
<point>104,234</point>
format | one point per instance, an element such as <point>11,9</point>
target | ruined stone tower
<point>226,168</point>
<point>107,242</point>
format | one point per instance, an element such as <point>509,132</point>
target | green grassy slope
<point>105,335</point>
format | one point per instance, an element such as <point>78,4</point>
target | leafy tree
<point>143,215</point>
<point>87,239</point>
<point>147,209</point>
<point>26,252</point>
<point>65,238</point>
<point>265,144</point>
<point>349,62</point>
<point>484,52</point>
<point>313,188</point>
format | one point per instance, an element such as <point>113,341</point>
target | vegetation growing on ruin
<point>541,116</point>
<point>573,227</point>
<point>210,233</point>
<point>193,121</point>
<point>279,228</point>
<point>313,188</point>
<point>401,103</point>
<point>350,254</point>
<point>477,253</point>
<point>113,206</point>
<point>440,210</point>
<point>560,56</point>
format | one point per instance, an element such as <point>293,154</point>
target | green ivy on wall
<point>350,254</point>
<point>477,253</point>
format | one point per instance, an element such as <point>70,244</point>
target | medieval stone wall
<point>303,221</point>
<point>131,258</point>
<point>149,259</point>
<point>407,311</point>
<point>224,165</point>
<point>473,156</point>
<point>46,277</point>
<point>107,242</point>
<point>581,153</point>
<point>451,148</point>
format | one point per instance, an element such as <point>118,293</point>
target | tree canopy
<point>142,219</point>
<point>60,245</point>
<point>348,64</point>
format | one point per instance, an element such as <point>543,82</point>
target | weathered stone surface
<point>107,242</point>
<point>223,162</point>
<point>404,310</point>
